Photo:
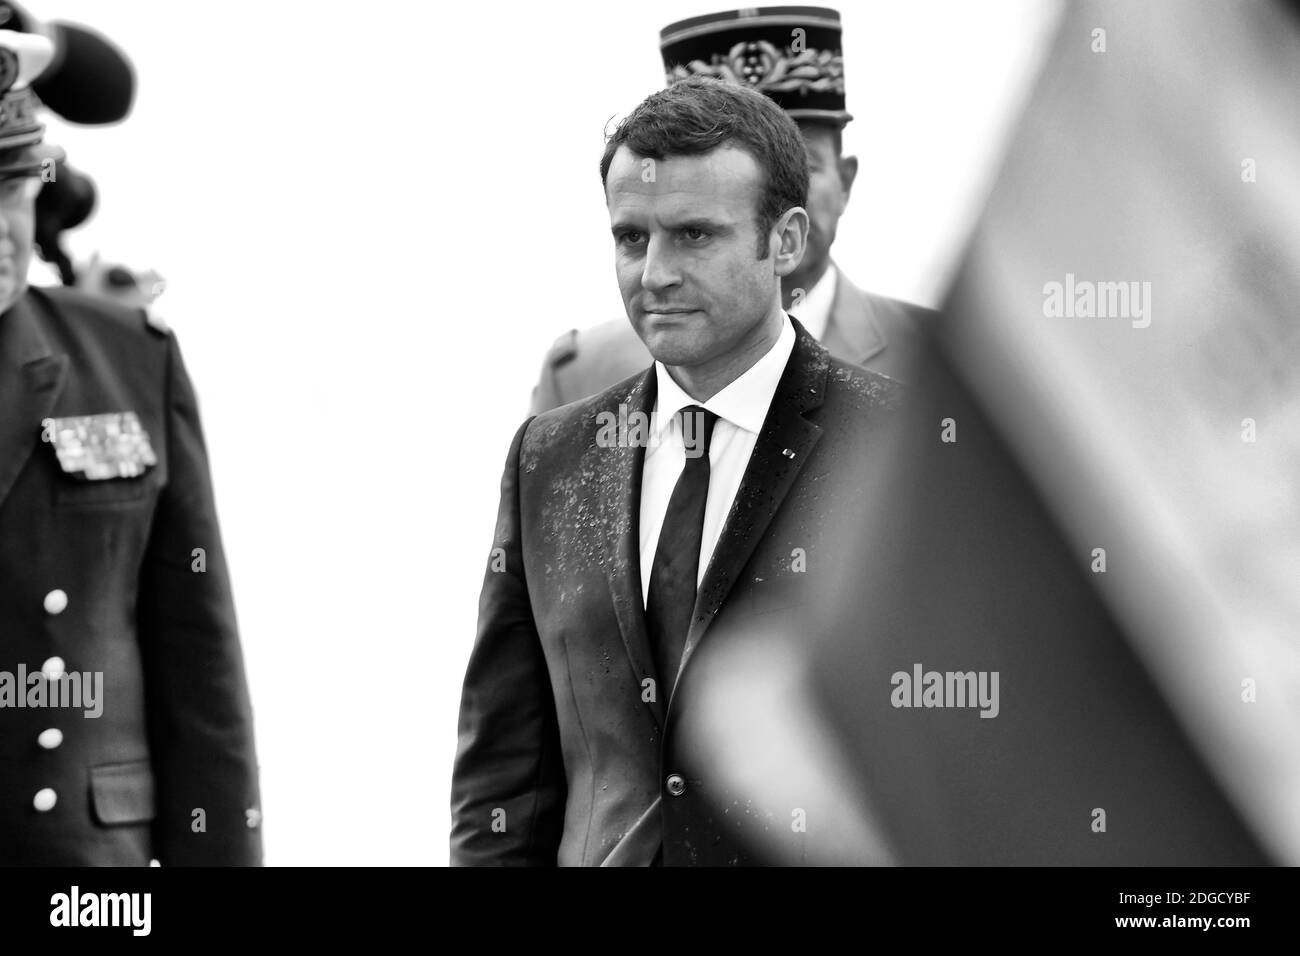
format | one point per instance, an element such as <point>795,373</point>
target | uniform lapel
<point>852,332</point>
<point>624,570</point>
<point>31,378</point>
<point>783,446</point>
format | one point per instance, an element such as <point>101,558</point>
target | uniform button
<point>253,818</point>
<point>53,668</point>
<point>56,601</point>
<point>676,785</point>
<point>45,800</point>
<point>49,739</point>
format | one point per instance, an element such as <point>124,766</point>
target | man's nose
<point>661,269</point>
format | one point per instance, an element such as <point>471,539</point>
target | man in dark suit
<point>125,725</point>
<point>695,493</point>
<point>793,55</point>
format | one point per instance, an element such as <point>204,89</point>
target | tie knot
<point>697,430</point>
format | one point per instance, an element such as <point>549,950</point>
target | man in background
<point>794,56</point>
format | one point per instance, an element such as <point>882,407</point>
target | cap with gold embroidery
<point>23,56</point>
<point>793,54</point>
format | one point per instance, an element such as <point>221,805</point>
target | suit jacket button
<point>676,785</point>
<point>54,668</point>
<point>49,739</point>
<point>56,601</point>
<point>45,800</point>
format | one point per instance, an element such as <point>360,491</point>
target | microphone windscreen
<point>65,202</point>
<point>93,81</point>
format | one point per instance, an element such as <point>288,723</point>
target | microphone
<point>89,81</point>
<point>64,203</point>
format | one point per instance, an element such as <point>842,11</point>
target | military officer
<point>125,725</point>
<point>794,55</point>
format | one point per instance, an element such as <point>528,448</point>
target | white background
<point>373,220</point>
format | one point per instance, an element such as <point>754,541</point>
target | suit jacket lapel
<point>782,448</point>
<point>31,378</point>
<point>624,570</point>
<point>852,332</point>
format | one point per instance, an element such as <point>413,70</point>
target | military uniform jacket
<point>876,332</point>
<point>124,576</point>
<point>563,755</point>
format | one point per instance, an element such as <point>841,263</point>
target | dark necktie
<point>671,600</point>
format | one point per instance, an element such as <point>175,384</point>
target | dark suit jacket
<point>175,735</point>
<point>876,332</point>
<point>564,757</point>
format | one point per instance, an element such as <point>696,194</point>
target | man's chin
<point>671,346</point>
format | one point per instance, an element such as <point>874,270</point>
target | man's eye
<point>629,238</point>
<point>695,235</point>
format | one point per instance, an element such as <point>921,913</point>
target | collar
<point>814,309</point>
<point>22,339</point>
<point>855,332</point>
<point>744,402</point>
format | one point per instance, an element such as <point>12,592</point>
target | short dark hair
<point>700,114</point>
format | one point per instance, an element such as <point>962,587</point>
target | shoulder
<point>605,345</point>
<point>892,314</point>
<point>896,313</point>
<point>91,318</point>
<point>583,362</point>
<point>614,334</point>
<point>573,427</point>
<point>562,350</point>
<point>856,389</point>
<point>582,346</point>
<point>847,391</point>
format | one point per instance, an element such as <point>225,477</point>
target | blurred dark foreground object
<point>90,80</point>
<point>64,203</point>
<point>1112,530</point>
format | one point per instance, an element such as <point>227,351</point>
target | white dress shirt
<point>741,408</point>
<point>814,310</point>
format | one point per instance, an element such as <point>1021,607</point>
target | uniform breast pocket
<point>104,493</point>
<point>122,793</point>
<point>104,460</point>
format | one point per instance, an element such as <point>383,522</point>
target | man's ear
<point>848,168</point>
<point>792,240</point>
